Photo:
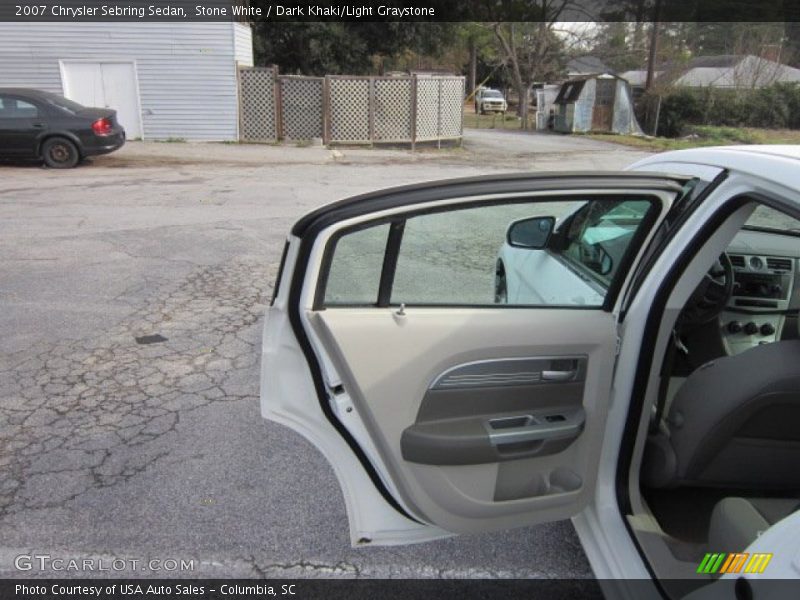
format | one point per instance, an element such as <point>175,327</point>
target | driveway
<point>113,447</point>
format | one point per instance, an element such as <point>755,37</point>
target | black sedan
<point>49,127</point>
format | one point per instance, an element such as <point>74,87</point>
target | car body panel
<point>564,286</point>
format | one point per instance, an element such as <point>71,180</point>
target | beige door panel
<point>518,396</point>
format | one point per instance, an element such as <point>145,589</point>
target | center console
<point>755,314</point>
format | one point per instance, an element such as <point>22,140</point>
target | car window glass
<point>765,217</point>
<point>600,235</point>
<point>355,270</point>
<point>15,108</point>
<point>462,257</point>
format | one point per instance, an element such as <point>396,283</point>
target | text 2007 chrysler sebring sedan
<point>619,348</point>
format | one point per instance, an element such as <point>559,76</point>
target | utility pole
<point>651,57</point>
<point>651,63</point>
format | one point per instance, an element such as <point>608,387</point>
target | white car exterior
<point>327,371</point>
<point>489,100</point>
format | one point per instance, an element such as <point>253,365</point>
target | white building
<point>739,71</point>
<point>165,79</point>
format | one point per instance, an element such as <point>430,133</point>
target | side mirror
<point>532,233</point>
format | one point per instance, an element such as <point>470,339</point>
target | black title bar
<point>397,10</point>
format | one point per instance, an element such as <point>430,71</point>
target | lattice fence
<point>257,104</point>
<point>344,109</point>
<point>451,115</point>
<point>349,105</point>
<point>301,107</point>
<point>427,109</point>
<point>392,109</point>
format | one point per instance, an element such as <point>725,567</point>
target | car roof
<point>24,92</point>
<point>777,163</point>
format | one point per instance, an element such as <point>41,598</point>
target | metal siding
<point>186,71</point>
<point>584,107</point>
<point>624,117</point>
<point>243,44</point>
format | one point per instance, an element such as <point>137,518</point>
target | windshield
<point>492,94</point>
<point>62,102</point>
<point>766,218</point>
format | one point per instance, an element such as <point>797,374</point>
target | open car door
<point>443,405</point>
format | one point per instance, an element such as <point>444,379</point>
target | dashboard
<point>766,289</point>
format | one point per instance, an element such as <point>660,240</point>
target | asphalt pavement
<point>113,447</point>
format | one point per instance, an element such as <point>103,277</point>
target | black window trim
<point>396,229</point>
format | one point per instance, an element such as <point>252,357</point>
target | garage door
<point>106,85</point>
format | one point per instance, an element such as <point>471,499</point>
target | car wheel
<point>500,285</point>
<point>60,153</point>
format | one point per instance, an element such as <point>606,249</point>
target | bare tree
<point>760,45</point>
<point>536,51</point>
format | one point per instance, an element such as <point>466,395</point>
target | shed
<point>165,80</point>
<point>598,102</point>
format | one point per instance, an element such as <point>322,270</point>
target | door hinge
<point>617,346</point>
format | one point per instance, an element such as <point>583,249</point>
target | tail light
<point>102,126</point>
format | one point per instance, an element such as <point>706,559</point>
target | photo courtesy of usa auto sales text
<point>126,589</point>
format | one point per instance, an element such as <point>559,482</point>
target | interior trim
<point>647,351</point>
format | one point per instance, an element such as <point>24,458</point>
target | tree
<point>477,43</point>
<point>613,44</point>
<point>355,48</point>
<point>535,51</point>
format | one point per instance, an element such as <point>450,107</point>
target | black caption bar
<point>388,589</point>
<point>306,589</point>
<point>398,10</point>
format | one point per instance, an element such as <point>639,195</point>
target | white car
<point>489,100</point>
<point>641,375</point>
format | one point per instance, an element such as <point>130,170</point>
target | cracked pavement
<point>111,448</point>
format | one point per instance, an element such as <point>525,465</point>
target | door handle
<point>567,424</point>
<point>558,375</point>
<point>37,125</point>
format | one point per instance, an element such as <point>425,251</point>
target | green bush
<point>776,107</point>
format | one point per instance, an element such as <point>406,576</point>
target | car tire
<point>60,153</point>
<point>500,285</point>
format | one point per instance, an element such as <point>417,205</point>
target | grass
<point>705,135</point>
<point>508,120</point>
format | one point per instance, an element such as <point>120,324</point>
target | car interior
<point>720,461</point>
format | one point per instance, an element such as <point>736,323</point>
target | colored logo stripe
<point>734,562</point>
<point>758,563</point>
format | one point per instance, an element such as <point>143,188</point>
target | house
<point>732,71</point>
<point>165,80</point>
<point>586,65</point>
<point>598,102</point>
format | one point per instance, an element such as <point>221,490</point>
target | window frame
<point>394,247</point>
<point>17,100</point>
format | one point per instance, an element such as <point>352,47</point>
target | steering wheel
<point>711,296</point>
